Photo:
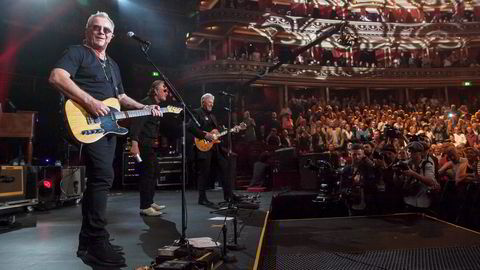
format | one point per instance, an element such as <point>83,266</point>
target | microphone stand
<point>183,240</point>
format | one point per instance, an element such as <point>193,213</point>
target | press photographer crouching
<point>417,179</point>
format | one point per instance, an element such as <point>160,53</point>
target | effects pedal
<point>168,251</point>
<point>174,265</point>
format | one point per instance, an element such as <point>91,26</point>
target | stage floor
<point>401,241</point>
<point>52,243</point>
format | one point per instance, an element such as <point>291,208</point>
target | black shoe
<point>102,253</point>
<point>206,202</point>
<point>82,249</point>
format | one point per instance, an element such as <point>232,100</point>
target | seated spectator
<point>273,139</point>
<point>459,138</point>
<point>261,170</point>
<point>285,140</point>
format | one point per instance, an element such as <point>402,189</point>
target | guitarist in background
<point>87,75</point>
<point>144,133</point>
<point>214,158</point>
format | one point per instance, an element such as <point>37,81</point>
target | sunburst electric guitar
<point>205,145</point>
<point>86,128</point>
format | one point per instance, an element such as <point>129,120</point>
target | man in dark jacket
<point>144,133</point>
<point>213,158</point>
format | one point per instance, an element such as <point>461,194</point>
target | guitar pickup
<point>92,131</point>
<point>93,120</point>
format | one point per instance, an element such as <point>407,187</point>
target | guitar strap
<point>114,77</point>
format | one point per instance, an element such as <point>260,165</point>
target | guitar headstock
<point>173,109</point>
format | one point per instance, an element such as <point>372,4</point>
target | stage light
<point>47,184</point>
<point>155,74</point>
<point>467,83</point>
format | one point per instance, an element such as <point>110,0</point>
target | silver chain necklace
<point>104,64</point>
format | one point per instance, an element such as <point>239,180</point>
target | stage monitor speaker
<point>18,183</point>
<point>300,204</point>
<point>286,159</point>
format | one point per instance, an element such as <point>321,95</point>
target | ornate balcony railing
<point>311,26</point>
<point>312,75</point>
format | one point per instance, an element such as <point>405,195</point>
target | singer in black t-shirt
<point>87,75</point>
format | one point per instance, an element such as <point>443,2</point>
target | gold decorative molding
<point>303,75</point>
<point>305,29</point>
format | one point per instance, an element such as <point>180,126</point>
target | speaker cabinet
<point>169,171</point>
<point>18,183</point>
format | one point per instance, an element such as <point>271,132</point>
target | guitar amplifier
<point>169,171</point>
<point>18,183</point>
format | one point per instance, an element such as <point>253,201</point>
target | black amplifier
<point>169,170</point>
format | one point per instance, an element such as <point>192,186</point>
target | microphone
<point>223,93</point>
<point>144,42</point>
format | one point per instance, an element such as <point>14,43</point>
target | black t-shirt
<point>87,72</point>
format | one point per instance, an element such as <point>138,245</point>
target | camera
<point>401,166</point>
<point>392,132</point>
<point>377,155</point>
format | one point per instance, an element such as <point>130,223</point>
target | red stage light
<point>47,183</point>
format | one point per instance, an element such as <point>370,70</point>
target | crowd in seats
<point>446,137</point>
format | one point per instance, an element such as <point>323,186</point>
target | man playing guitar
<point>213,158</point>
<point>87,75</point>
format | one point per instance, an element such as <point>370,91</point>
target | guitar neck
<point>135,113</point>
<point>223,133</point>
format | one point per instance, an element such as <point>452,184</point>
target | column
<point>285,94</point>
<point>407,97</point>
<point>446,94</point>
<point>385,56</point>
<point>203,88</point>
<point>327,94</point>
<point>368,95</point>
<point>229,46</point>
<point>209,49</point>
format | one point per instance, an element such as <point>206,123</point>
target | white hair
<point>99,14</point>
<point>206,96</point>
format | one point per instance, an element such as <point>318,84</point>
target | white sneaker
<point>150,212</point>
<point>157,207</point>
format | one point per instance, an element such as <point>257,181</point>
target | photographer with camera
<point>418,179</point>
<point>363,174</point>
<point>386,161</point>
